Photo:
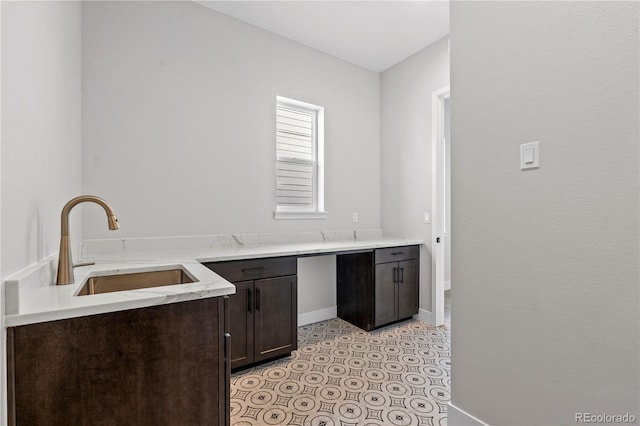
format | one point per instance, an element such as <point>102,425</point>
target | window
<point>299,160</point>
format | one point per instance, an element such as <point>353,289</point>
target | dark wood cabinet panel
<point>162,365</point>
<point>353,288</point>
<point>255,269</point>
<point>264,310</point>
<point>386,294</point>
<point>276,312</point>
<point>408,289</point>
<point>241,324</point>
<point>378,287</point>
<point>396,254</point>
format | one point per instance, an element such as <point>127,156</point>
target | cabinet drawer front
<point>396,254</point>
<point>254,269</point>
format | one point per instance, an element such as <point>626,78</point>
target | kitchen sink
<point>133,281</point>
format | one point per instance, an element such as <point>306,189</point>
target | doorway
<point>441,206</point>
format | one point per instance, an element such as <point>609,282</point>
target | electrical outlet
<point>355,217</point>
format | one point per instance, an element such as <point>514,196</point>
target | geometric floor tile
<point>342,375</point>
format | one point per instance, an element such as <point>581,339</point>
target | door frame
<point>437,204</point>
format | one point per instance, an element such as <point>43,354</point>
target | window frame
<point>316,211</point>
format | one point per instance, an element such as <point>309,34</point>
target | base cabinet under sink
<point>161,365</point>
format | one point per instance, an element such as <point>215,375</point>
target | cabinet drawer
<point>254,269</point>
<point>396,254</point>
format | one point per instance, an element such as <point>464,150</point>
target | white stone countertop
<point>31,296</point>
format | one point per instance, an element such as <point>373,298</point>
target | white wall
<point>179,122</point>
<point>40,127</point>
<point>3,329</point>
<point>40,163</point>
<point>405,117</point>
<point>316,288</point>
<point>447,190</point>
<point>545,262</point>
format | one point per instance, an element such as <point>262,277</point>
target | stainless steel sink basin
<point>121,282</point>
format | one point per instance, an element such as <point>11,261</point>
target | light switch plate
<point>427,217</point>
<point>530,155</point>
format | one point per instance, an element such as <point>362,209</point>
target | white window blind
<point>296,136</point>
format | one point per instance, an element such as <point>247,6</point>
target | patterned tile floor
<point>341,376</point>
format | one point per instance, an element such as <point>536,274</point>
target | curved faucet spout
<point>64,217</point>
<point>65,261</point>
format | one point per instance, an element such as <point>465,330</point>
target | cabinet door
<point>149,366</point>
<point>408,289</point>
<point>225,365</point>
<point>275,317</point>
<point>386,301</point>
<point>241,324</point>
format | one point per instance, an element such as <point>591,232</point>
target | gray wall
<point>545,262</point>
<point>179,122</point>
<point>405,121</point>
<point>316,283</point>
<point>40,164</point>
<point>40,127</point>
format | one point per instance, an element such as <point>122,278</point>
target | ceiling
<point>373,34</point>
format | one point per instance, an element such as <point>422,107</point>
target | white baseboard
<point>458,417</point>
<point>317,316</point>
<point>447,285</point>
<point>424,316</point>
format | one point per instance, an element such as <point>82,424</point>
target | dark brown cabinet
<point>378,287</point>
<point>408,284</point>
<point>264,310</point>
<point>241,328</point>
<point>161,365</point>
<point>386,294</point>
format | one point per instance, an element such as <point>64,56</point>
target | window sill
<point>299,215</point>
